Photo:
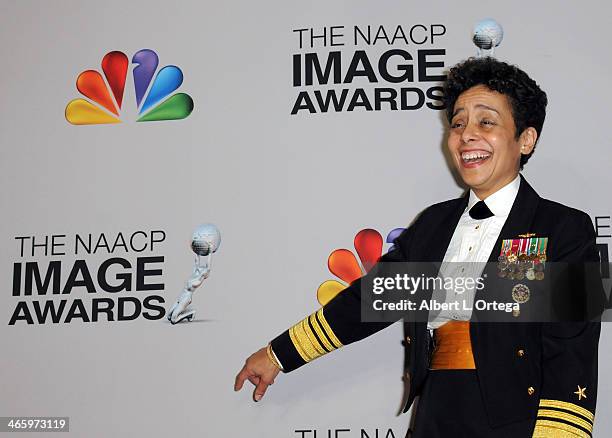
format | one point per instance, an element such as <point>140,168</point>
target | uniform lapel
<point>437,237</point>
<point>443,232</point>
<point>520,219</point>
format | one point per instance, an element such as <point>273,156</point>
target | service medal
<point>533,247</point>
<point>542,244</point>
<point>539,275</point>
<point>520,293</point>
<point>530,274</point>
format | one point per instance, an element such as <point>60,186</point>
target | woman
<point>483,379</point>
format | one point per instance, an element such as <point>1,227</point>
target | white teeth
<point>475,155</point>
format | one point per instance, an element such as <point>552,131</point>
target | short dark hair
<point>526,98</point>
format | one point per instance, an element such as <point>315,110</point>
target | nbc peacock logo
<point>153,92</point>
<point>344,265</point>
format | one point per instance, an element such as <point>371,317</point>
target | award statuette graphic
<point>488,34</point>
<point>204,243</point>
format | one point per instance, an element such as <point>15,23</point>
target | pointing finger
<point>240,378</point>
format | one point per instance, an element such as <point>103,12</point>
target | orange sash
<point>453,347</point>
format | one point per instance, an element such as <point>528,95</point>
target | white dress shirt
<point>469,250</point>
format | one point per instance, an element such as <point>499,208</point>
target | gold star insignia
<point>581,393</point>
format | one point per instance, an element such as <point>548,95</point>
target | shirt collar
<point>500,202</point>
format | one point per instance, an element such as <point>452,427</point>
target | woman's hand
<point>260,371</point>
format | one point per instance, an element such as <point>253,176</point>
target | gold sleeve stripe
<point>570,407</point>
<point>320,324</point>
<point>308,322</point>
<point>577,421</point>
<point>320,351</point>
<point>555,429</point>
<point>313,337</point>
<point>330,333</point>
<point>317,328</point>
<point>304,342</point>
<point>298,345</point>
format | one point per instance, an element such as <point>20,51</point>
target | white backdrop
<point>284,189</point>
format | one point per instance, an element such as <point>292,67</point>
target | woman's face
<point>482,140</point>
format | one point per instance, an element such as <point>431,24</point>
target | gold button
<point>520,353</point>
<point>530,390</point>
<point>408,340</point>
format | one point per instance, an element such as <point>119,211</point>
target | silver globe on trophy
<point>488,34</point>
<point>204,243</point>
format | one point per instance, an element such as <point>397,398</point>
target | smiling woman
<point>519,96</point>
<point>494,122</point>
<point>481,379</point>
<point>483,141</point>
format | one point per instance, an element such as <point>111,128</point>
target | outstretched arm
<point>334,325</point>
